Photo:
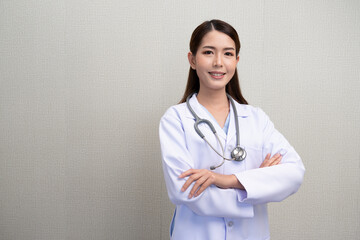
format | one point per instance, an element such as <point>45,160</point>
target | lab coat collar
<point>242,112</point>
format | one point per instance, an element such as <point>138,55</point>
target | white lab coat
<point>217,213</point>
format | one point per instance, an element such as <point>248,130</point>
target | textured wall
<point>83,85</point>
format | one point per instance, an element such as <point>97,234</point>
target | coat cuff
<point>241,194</point>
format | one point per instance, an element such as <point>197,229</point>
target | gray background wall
<point>83,85</point>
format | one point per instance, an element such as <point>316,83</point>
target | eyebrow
<point>228,48</point>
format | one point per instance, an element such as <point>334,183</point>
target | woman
<point>222,180</point>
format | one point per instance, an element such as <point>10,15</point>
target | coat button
<point>230,224</point>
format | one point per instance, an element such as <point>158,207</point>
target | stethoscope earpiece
<point>238,154</point>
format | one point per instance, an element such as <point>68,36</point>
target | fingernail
<point>190,196</point>
<point>283,152</point>
<point>182,189</point>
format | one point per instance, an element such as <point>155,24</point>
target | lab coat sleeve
<point>176,159</point>
<point>275,183</point>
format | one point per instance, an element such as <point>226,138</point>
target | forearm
<point>214,201</point>
<point>272,184</point>
<point>227,181</point>
<point>231,181</point>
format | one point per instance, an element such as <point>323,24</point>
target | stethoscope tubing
<point>199,120</point>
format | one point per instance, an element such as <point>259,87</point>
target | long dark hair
<point>193,84</point>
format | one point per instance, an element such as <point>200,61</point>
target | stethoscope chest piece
<point>239,154</point>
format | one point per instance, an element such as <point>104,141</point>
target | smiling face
<point>215,61</point>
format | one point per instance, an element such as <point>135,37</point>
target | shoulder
<point>175,110</point>
<point>245,110</point>
<point>252,115</point>
<point>173,120</point>
<point>175,113</point>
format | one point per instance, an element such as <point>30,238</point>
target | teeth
<point>217,74</point>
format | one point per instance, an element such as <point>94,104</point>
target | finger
<point>191,179</point>
<point>270,162</point>
<point>197,184</point>
<point>187,173</point>
<point>187,183</point>
<point>274,158</point>
<point>265,163</point>
<point>277,161</point>
<point>204,186</point>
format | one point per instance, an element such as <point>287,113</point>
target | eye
<point>207,52</point>
<point>229,54</point>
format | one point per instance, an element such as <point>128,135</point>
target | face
<point>215,61</point>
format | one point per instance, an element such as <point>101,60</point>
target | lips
<point>217,75</point>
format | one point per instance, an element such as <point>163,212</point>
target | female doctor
<point>223,160</point>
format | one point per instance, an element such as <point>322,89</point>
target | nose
<point>218,61</point>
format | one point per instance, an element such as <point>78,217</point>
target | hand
<point>274,160</point>
<point>203,178</point>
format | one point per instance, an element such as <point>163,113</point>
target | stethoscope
<point>238,153</point>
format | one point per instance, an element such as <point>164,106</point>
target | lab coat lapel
<point>241,114</point>
<point>203,114</point>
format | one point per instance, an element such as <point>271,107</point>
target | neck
<point>215,99</point>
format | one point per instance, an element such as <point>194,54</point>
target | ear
<point>192,61</point>
<point>237,59</point>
